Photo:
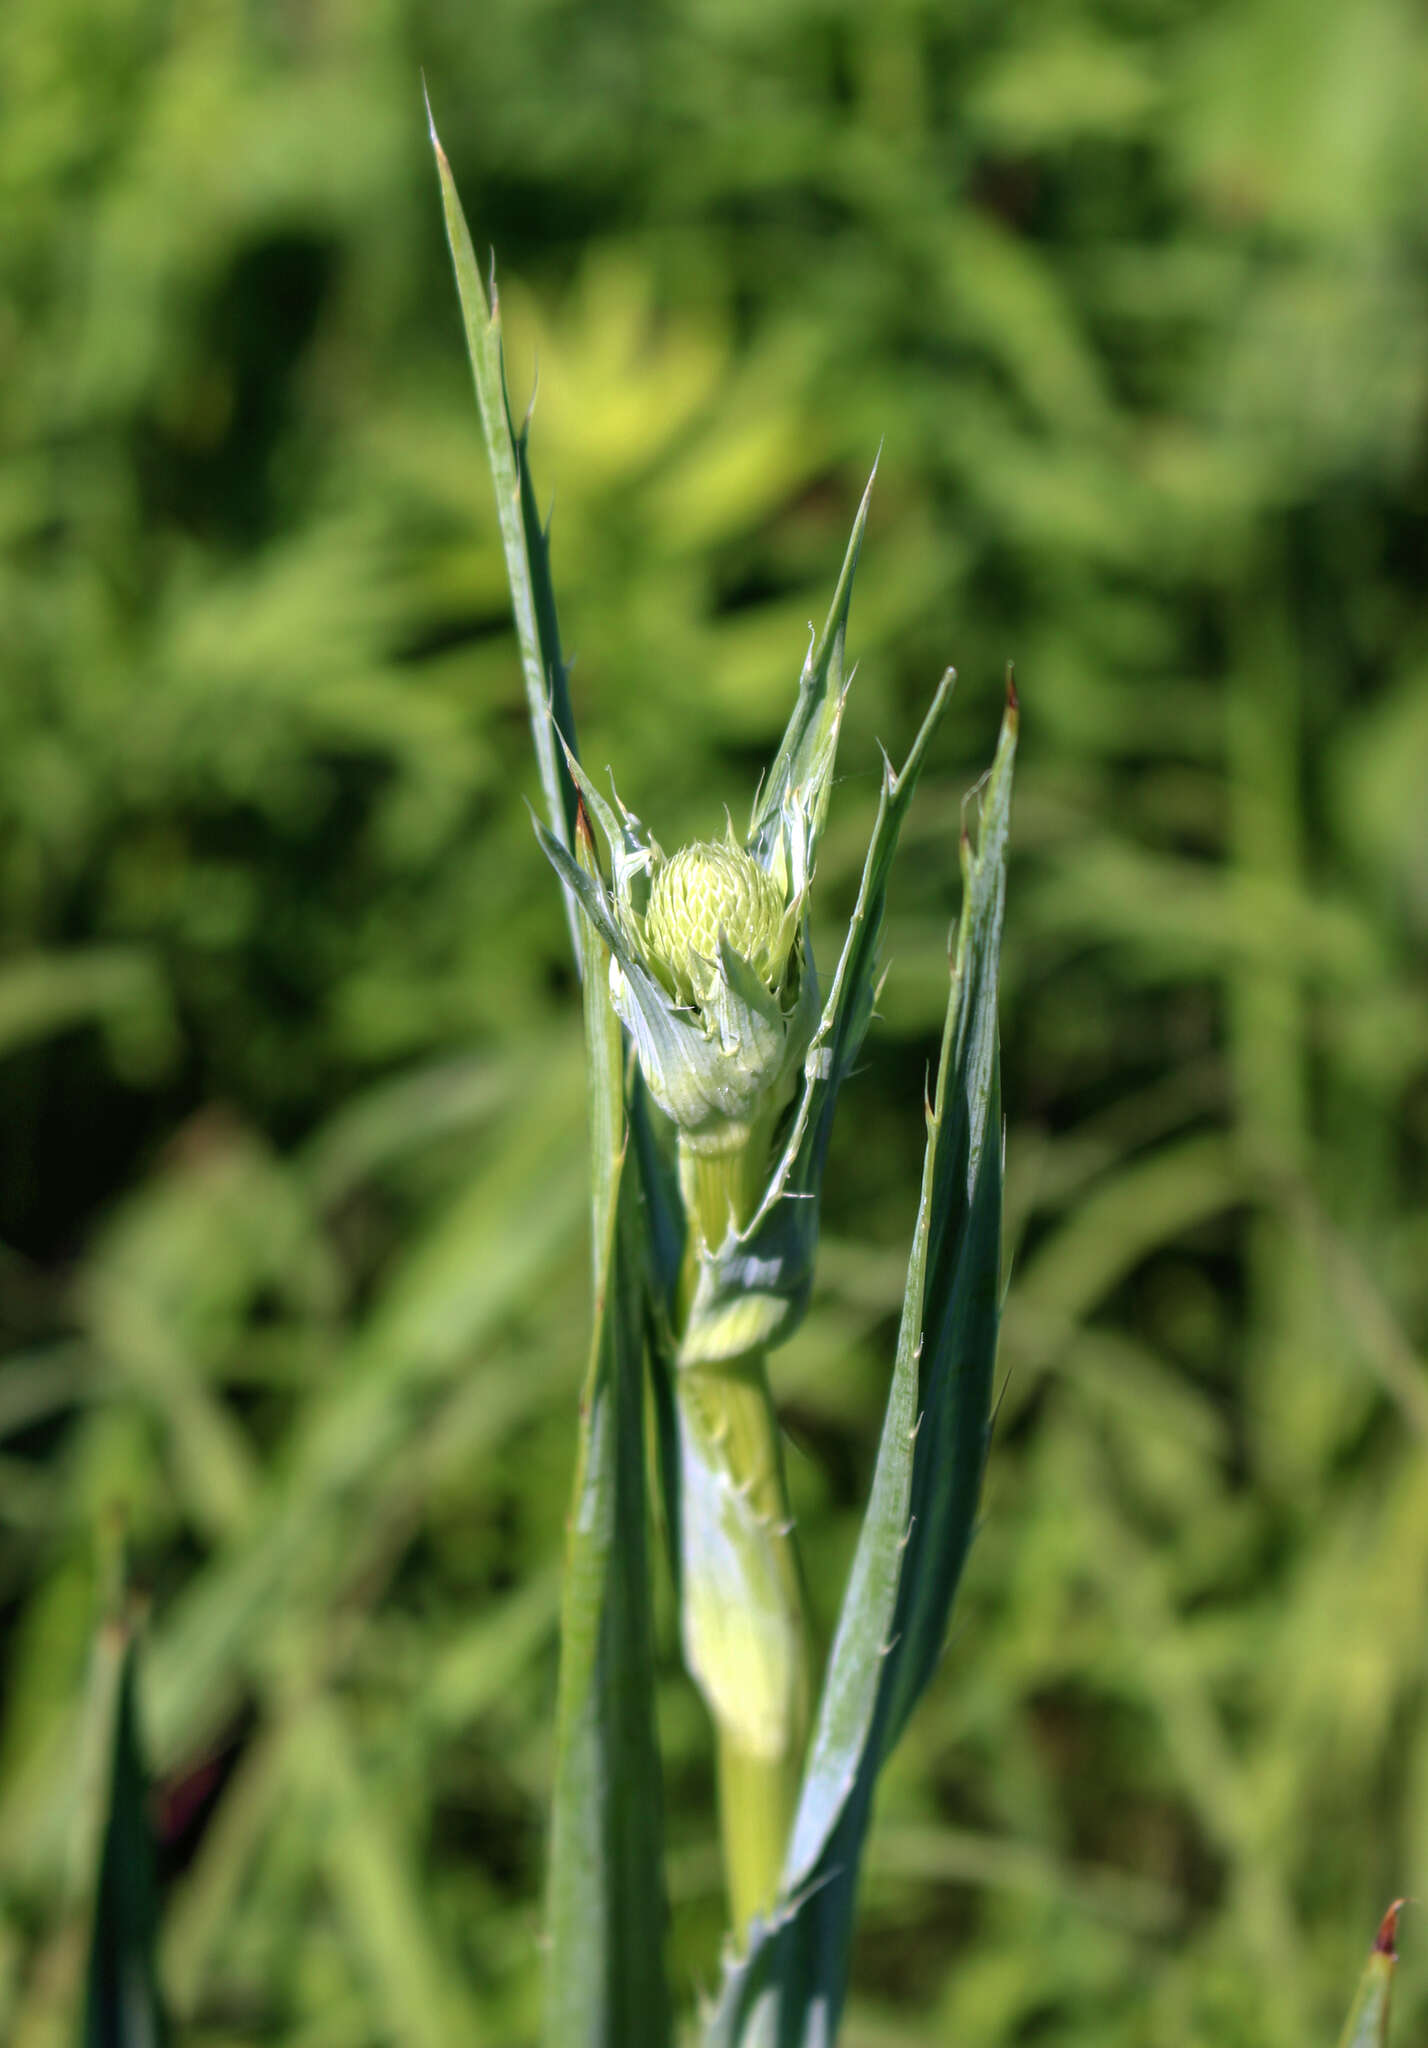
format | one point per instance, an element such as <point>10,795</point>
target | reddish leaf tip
<point>1385,1939</point>
<point>1013,701</point>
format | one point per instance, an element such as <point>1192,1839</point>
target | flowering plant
<point>701,967</point>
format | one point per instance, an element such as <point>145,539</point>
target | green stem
<point>721,1179</point>
<point>745,1630</point>
<point>757,1799</point>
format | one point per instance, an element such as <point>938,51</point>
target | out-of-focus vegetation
<point>291,1181</point>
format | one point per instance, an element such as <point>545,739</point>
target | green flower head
<point>711,970</point>
<point>712,976</point>
<point>710,966</point>
<point>706,891</point>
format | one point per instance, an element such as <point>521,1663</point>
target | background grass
<point>291,1170</point>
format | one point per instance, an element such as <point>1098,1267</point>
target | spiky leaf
<point>606,1983</point>
<point>805,756</point>
<point>787,1991</point>
<point>523,537</point>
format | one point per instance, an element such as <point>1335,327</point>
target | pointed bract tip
<point>1013,701</point>
<point>583,833</point>
<point>1387,1936</point>
<point>431,119</point>
<point>860,517</point>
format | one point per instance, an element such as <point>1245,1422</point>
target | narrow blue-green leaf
<point>522,535</point>
<point>605,1984</point>
<point>664,1234</point>
<point>961,1300</point>
<point>604,1064</point>
<point>812,726</point>
<point>1367,2023</point>
<point>787,1992</point>
<point>122,2007</point>
<point>664,1212</point>
<point>605,1894</point>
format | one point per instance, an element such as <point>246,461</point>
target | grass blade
<point>606,1903</point>
<point>121,2007</point>
<point>1367,2023</point>
<point>788,1990</point>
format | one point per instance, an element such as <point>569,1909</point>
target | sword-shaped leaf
<point>605,1981</point>
<point>788,1990</point>
<point>122,2007</point>
<point>606,1985</point>
<point>523,537</point>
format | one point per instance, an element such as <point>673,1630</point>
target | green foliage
<point>292,1217</point>
<point>122,2008</point>
<point>718,942</point>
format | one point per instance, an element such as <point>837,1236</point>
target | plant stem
<point>757,1798</point>
<point>745,1630</point>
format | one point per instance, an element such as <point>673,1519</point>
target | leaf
<point>523,537</point>
<point>787,1992</point>
<point>664,1230</point>
<point>605,1979</point>
<point>1367,2023</point>
<point>606,1901</point>
<point>805,755</point>
<point>122,2007</point>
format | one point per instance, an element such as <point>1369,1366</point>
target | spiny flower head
<point>710,965</point>
<point>711,969</point>
<point>704,892</point>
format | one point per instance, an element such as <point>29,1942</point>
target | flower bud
<point>706,890</point>
<point>710,970</point>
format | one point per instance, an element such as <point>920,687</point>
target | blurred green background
<point>292,1266</point>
